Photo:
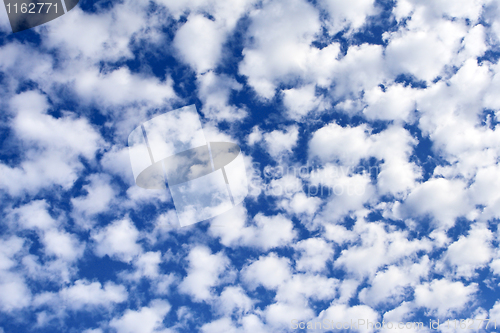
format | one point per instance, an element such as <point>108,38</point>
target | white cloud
<point>84,294</point>
<point>301,203</point>
<point>301,287</point>
<point>377,247</point>
<point>396,102</point>
<point>484,192</point>
<point>116,161</point>
<point>34,215</point>
<point>8,248</point>
<point>15,64</point>
<point>474,43</point>
<point>421,54</point>
<point>62,245</point>
<point>402,313</point>
<point>344,313</point>
<point>444,199</point>
<point>451,119</point>
<point>390,286</point>
<point>268,231</point>
<point>491,100</point>
<point>106,36</point>
<point>96,330</point>
<point>272,231</point>
<point>147,265</point>
<point>470,252</point>
<point>204,272</point>
<point>14,293</point>
<point>494,313</point>
<point>361,69</point>
<point>246,324</point>
<point>225,13</point>
<point>199,42</point>
<point>118,240</point>
<point>121,87</point>
<point>339,234</point>
<point>352,14</point>
<point>429,12</point>
<point>345,144</point>
<point>233,299</point>
<point>397,175</point>
<point>214,91</point>
<point>55,240</point>
<point>147,319</point>
<point>299,102</point>
<point>49,269</point>
<point>313,254</point>
<point>255,136</point>
<point>162,284</point>
<point>280,142</point>
<point>97,200</point>
<point>55,146</point>
<point>431,39</point>
<point>82,64</point>
<point>137,196</point>
<point>348,195</point>
<point>279,315</point>
<point>444,297</point>
<point>270,272</point>
<point>164,224</point>
<point>281,33</point>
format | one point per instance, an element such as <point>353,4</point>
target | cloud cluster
<point>390,109</point>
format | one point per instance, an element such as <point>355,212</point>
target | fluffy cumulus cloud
<point>119,240</point>
<point>303,100</point>
<point>279,142</point>
<point>54,146</point>
<point>444,296</point>
<point>15,293</point>
<point>279,49</point>
<point>199,42</point>
<point>84,294</point>
<point>203,273</point>
<point>264,232</point>
<point>367,130</point>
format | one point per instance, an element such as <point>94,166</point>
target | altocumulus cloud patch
<point>334,165</point>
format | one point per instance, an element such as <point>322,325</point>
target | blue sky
<point>382,113</point>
